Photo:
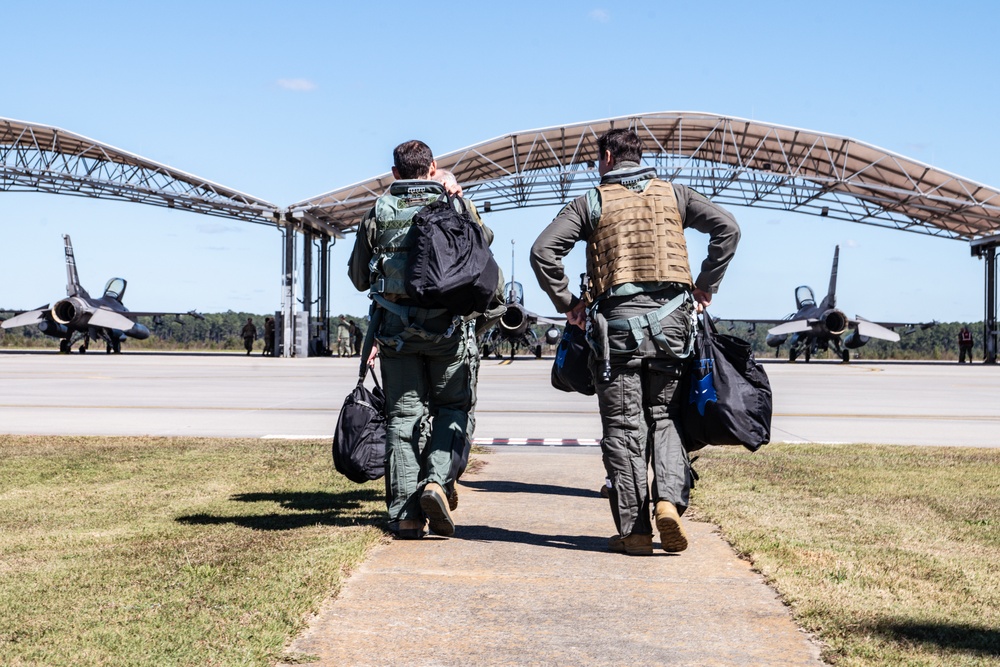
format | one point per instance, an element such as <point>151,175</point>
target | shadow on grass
<point>304,509</point>
<point>980,640</point>
<point>501,486</point>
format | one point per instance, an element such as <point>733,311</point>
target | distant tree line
<point>218,331</point>
<point>221,331</point>
<point>939,342</point>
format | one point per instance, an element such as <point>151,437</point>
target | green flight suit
<point>428,361</point>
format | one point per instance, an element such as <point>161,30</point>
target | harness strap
<point>414,318</point>
<point>651,321</point>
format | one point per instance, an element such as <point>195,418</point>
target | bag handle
<point>374,321</point>
<point>707,323</point>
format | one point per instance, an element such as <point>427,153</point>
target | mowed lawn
<point>146,551</point>
<point>153,551</point>
<point>889,555</point>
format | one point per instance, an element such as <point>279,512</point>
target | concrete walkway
<point>527,580</point>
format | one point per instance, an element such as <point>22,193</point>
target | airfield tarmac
<point>233,395</point>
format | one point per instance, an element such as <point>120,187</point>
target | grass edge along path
<point>886,554</point>
<point>143,551</point>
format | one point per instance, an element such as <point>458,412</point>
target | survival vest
<point>394,212</point>
<point>639,238</point>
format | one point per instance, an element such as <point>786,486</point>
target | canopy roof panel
<point>41,158</point>
<point>730,160</point>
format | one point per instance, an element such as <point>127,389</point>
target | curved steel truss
<point>40,158</point>
<point>730,160</point>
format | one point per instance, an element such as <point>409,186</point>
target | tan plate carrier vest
<point>639,238</point>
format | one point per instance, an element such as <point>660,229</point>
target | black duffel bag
<point>359,439</point>
<point>571,368</point>
<point>728,393</point>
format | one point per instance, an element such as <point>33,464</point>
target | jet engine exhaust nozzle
<point>835,321</point>
<point>66,311</point>
<point>514,321</point>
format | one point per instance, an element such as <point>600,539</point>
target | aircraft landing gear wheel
<point>807,355</point>
<point>538,352</point>
<point>64,347</point>
<point>83,349</point>
<point>107,348</point>
<point>792,354</point>
<point>846,356</point>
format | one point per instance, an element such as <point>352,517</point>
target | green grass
<point>889,555</point>
<point>146,551</point>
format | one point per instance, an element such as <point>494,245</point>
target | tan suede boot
<point>410,529</point>
<point>434,503</point>
<point>668,522</point>
<point>633,545</point>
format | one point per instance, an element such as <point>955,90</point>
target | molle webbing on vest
<point>394,219</point>
<point>639,238</point>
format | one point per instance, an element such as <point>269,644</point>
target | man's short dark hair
<point>625,145</point>
<point>413,159</point>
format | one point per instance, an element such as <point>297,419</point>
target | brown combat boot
<point>633,545</point>
<point>668,522</point>
<point>434,503</point>
<point>410,529</point>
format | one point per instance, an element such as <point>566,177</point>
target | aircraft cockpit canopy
<point>804,296</point>
<point>115,288</point>
<point>514,292</point>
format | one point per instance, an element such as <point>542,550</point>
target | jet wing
<point>192,313</point>
<point>882,329</point>
<point>873,330</point>
<point>24,319</point>
<point>794,326</point>
<point>109,319</point>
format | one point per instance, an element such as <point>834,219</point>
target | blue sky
<point>288,100</point>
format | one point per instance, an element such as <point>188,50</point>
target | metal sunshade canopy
<point>42,158</point>
<point>730,160</point>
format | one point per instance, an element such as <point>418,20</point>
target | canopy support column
<point>986,249</point>
<point>288,293</point>
<point>324,290</point>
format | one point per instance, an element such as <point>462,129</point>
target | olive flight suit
<point>428,358</point>
<point>640,405</point>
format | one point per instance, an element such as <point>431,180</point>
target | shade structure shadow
<point>957,637</point>
<point>304,509</point>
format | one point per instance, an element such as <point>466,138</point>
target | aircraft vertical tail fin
<point>73,287</point>
<point>831,295</point>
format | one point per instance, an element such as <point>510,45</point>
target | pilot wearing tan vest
<point>642,289</point>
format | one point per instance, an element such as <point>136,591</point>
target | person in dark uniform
<point>964,345</point>
<point>633,225</point>
<point>249,334</point>
<point>357,338</point>
<point>268,336</point>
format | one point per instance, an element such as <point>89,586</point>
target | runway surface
<point>232,395</point>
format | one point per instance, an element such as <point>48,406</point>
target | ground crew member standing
<point>343,338</point>
<point>249,334</point>
<point>425,354</point>
<point>641,281</point>
<point>964,345</point>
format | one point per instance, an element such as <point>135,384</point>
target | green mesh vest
<point>394,213</point>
